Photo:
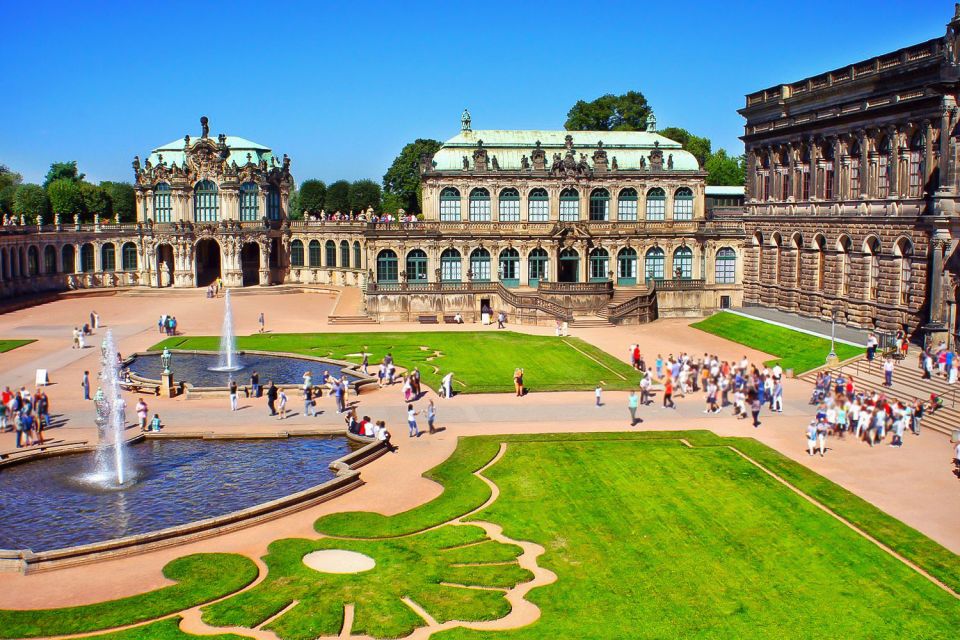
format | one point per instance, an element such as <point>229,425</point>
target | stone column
<point>524,204</point>
<point>265,262</point>
<point>584,213</point>
<point>937,246</point>
<point>668,202</point>
<point>927,154</point>
<point>813,147</point>
<point>524,270</point>
<point>554,193</point>
<point>863,142</point>
<point>837,155</point>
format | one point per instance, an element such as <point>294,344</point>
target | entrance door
<point>208,262</point>
<point>164,265</point>
<point>250,264</point>
<point>568,269</point>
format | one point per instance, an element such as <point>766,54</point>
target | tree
<point>7,197</point>
<point>123,200</point>
<point>66,198</point>
<point>627,112</point>
<point>8,177</point>
<point>294,208</point>
<point>699,147</point>
<point>95,200</point>
<point>364,194</point>
<point>313,194</point>
<point>724,170</point>
<point>401,182</point>
<point>63,170</point>
<point>31,200</point>
<point>338,197</point>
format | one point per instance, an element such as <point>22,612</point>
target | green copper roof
<point>239,148</point>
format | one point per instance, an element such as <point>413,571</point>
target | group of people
<point>214,289</point>
<point>941,362</point>
<point>25,413</point>
<point>167,325</point>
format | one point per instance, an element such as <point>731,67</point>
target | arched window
<point>509,205</point>
<point>480,205</point>
<point>249,203</point>
<point>883,168</point>
<point>206,202</point>
<point>683,263</point>
<point>905,258</point>
<point>387,266</point>
<point>599,204</point>
<point>683,204</point>
<point>33,261</point>
<point>128,257</point>
<point>480,264</point>
<point>68,258</point>
<point>656,204</point>
<point>162,206</point>
<point>313,250</point>
<point>758,243</point>
<point>296,253</point>
<point>508,269</point>
<point>569,205</point>
<point>450,205</point>
<point>86,258</point>
<point>273,203</point>
<point>356,255</point>
<point>871,249</point>
<point>725,266</point>
<point>653,264</point>
<point>417,266</point>
<point>844,247</point>
<point>330,248</point>
<point>537,264</point>
<point>855,160</point>
<point>821,246</point>
<point>450,266</point>
<point>777,257</point>
<point>627,204</point>
<point>798,259</point>
<point>916,173</point>
<point>627,266</point>
<point>538,206</point>
<point>344,253</point>
<point>49,259</point>
<point>599,265</point>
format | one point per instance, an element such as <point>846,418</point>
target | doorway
<point>164,265</point>
<point>250,264</point>
<point>568,268</point>
<point>208,262</point>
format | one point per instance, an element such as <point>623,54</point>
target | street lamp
<point>832,356</point>
<point>165,359</point>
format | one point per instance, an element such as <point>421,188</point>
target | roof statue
<point>652,123</point>
<point>204,127</point>
<point>465,121</point>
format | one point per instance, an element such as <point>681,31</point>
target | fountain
<point>228,342</point>
<point>110,470</point>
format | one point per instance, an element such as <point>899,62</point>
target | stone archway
<point>164,265</point>
<point>250,264</point>
<point>568,266</point>
<point>207,259</point>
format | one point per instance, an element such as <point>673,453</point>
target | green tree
<point>63,170</point>
<point>7,196</point>
<point>401,182</point>
<point>123,200</point>
<point>66,198</point>
<point>699,147</point>
<point>338,197</point>
<point>724,170</point>
<point>364,194</point>
<point>31,200</point>
<point>95,201</point>
<point>8,177</point>
<point>313,194</point>
<point>627,112</point>
<point>294,208</point>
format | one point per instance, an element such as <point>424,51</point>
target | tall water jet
<point>110,418</point>
<point>228,342</point>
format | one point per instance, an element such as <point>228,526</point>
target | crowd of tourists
<point>167,324</point>
<point>400,217</point>
<point>26,414</point>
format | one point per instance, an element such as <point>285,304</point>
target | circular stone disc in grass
<point>338,561</point>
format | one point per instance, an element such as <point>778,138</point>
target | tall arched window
<point>820,244</point>
<point>683,204</point>
<point>128,257</point>
<point>777,257</point>
<point>273,203</point>
<point>296,253</point>
<point>480,264</point>
<point>915,167</point>
<point>855,160</point>
<point>653,264</point>
<point>599,265</point>
<point>68,258</point>
<point>49,259</point>
<point>313,253</point>
<point>417,266</point>
<point>206,202</point>
<point>509,209</point>
<point>537,264</point>
<point>387,266</point>
<point>162,206</point>
<point>249,203</point>
<point>627,266</point>
<point>344,253</point>
<point>725,266</point>
<point>905,259</point>
<point>683,263</point>
<point>599,204</point>
<point>330,248</point>
<point>33,261</point>
<point>656,204</point>
<point>871,250</point>
<point>356,255</point>
<point>86,258</point>
<point>480,205</point>
<point>627,204</point>
<point>844,247</point>
<point>538,206</point>
<point>450,205</point>
<point>450,266</point>
<point>883,168</point>
<point>508,268</point>
<point>797,259</point>
<point>569,205</point>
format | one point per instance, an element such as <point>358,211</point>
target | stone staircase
<point>591,321</point>
<point>603,315</point>
<point>351,320</point>
<point>908,385</point>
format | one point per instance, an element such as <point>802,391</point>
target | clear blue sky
<point>341,87</point>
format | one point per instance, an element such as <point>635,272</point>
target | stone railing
<point>605,287</point>
<point>643,306</point>
<point>531,302</point>
<point>679,284</point>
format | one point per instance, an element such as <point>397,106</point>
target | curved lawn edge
<point>200,578</point>
<point>168,629</point>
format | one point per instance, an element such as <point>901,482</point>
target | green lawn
<point>482,361</point>
<point>10,345</point>
<point>794,350</point>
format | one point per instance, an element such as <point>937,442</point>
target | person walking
<point>261,321</point>
<point>142,414</point>
<point>282,407</point>
<point>812,430</point>
<point>597,392</point>
<point>365,363</point>
<point>272,398</point>
<point>308,409</point>
<point>233,395</point>
<point>518,381</point>
<point>431,416</point>
<point>255,384</point>
<point>501,318</point>
<point>888,373</point>
<point>777,402</point>
<point>645,385</point>
<point>632,406</point>
<point>85,385</point>
<point>412,421</point>
<point>339,390</point>
<point>668,393</point>
<point>755,405</point>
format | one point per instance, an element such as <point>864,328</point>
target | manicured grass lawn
<point>794,350</point>
<point>10,345</point>
<point>482,361</point>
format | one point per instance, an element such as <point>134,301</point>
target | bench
<point>141,387</point>
<point>450,320</point>
<point>427,319</point>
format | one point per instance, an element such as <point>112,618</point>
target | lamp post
<point>165,358</point>
<point>832,356</point>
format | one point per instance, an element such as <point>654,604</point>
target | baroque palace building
<point>852,187</point>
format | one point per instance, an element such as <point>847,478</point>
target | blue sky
<point>341,87</point>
